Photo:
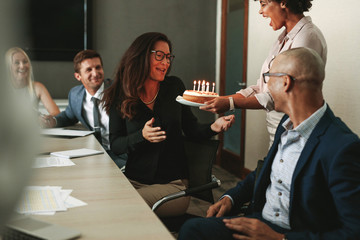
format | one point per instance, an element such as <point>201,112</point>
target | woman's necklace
<point>148,103</point>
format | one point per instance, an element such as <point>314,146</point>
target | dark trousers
<point>215,229</point>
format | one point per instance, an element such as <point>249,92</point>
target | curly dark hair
<point>296,6</point>
<point>131,74</point>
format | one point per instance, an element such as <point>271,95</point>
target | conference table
<point>114,209</point>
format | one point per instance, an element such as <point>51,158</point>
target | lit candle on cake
<point>207,86</point>
<point>194,85</point>
<point>213,89</point>
<point>203,86</point>
<point>199,84</point>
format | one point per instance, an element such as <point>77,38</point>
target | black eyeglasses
<point>160,55</point>
<point>267,75</point>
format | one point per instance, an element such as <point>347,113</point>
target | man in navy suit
<point>89,71</point>
<point>309,185</point>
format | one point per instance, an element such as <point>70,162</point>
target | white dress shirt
<point>104,119</point>
<point>292,142</point>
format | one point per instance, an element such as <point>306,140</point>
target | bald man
<point>309,185</point>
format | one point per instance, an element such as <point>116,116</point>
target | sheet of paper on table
<point>43,162</point>
<point>65,132</point>
<point>46,200</point>
<point>81,152</point>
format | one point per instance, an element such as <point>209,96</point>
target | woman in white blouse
<point>299,32</point>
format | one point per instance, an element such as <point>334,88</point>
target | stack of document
<point>65,132</point>
<point>82,152</point>
<point>46,200</point>
<point>62,158</point>
<point>43,162</point>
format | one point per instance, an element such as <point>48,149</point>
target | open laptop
<point>26,227</point>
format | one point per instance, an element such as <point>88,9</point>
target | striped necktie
<point>96,113</point>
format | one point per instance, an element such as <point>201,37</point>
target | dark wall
<point>190,25</point>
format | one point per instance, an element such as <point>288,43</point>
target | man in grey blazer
<point>89,71</point>
<point>309,185</point>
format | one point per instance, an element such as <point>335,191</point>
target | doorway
<point>233,65</point>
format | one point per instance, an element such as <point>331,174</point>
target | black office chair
<point>201,155</point>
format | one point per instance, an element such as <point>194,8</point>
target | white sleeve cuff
<point>247,92</point>
<point>232,201</point>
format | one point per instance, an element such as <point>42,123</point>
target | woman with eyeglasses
<point>147,123</point>
<point>21,74</point>
<point>299,31</point>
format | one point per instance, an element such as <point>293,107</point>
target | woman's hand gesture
<point>153,134</point>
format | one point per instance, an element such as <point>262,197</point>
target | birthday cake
<point>199,96</point>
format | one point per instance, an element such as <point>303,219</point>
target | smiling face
<point>91,74</point>
<point>20,68</point>
<point>275,11</point>
<point>158,69</point>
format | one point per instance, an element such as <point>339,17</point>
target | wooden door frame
<point>228,160</point>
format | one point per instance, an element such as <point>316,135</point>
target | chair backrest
<point>201,154</point>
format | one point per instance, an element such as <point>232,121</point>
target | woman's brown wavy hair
<point>131,74</point>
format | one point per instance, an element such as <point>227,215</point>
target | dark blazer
<point>162,162</point>
<point>325,188</point>
<point>73,112</point>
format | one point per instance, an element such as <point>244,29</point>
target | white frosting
<point>200,94</point>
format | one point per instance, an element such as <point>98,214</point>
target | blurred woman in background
<point>21,74</point>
